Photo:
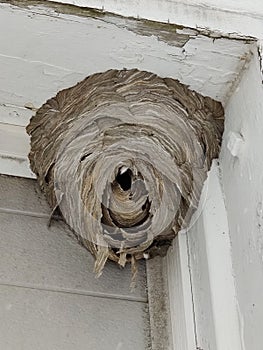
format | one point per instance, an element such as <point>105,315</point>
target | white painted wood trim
<point>226,16</point>
<point>219,258</point>
<point>180,295</point>
<point>191,300</point>
<point>242,179</point>
<point>14,148</point>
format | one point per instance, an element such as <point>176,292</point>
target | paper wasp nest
<point>124,155</point>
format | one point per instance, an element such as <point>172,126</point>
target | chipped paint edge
<point>151,26</point>
<point>233,22</point>
<point>260,56</point>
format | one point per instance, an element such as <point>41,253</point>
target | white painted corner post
<point>200,278</point>
<point>182,320</point>
<point>224,244</point>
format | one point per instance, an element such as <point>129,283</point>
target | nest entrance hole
<point>124,178</point>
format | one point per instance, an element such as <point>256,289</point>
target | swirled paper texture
<point>124,154</point>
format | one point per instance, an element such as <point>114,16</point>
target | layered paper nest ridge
<point>124,155</point>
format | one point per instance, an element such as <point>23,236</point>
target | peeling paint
<point>244,63</point>
<point>172,34</point>
<point>219,34</point>
<point>260,55</point>
<point>58,8</point>
<point>207,65</point>
<point>47,54</point>
<point>163,31</point>
<point>236,17</point>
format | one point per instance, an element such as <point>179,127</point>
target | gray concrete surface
<point>49,297</point>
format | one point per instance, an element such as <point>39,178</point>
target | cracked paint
<point>207,65</point>
<point>56,47</point>
<point>260,56</point>
<point>172,34</point>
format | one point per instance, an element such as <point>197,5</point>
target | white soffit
<point>46,47</point>
<point>240,17</point>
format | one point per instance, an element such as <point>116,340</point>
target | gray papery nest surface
<point>124,155</point>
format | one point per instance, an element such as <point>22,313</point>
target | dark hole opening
<point>124,179</point>
<point>49,174</point>
<point>85,156</point>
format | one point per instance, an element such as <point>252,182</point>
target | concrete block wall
<point>49,297</point>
